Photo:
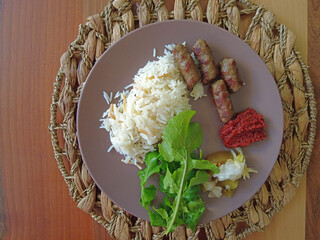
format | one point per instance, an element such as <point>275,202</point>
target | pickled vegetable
<point>229,186</point>
<point>232,165</point>
<point>228,192</point>
<point>220,158</point>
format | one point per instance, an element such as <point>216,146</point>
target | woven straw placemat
<point>271,40</point>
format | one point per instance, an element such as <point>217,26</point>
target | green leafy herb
<point>180,175</point>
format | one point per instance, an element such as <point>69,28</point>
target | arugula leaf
<point>166,150</point>
<point>156,218</point>
<point>204,165</point>
<point>167,204</point>
<point>175,135</point>
<point>191,193</point>
<point>200,178</point>
<point>163,213</point>
<point>170,182</point>
<point>176,202</point>
<point>152,167</point>
<point>147,195</point>
<point>196,208</point>
<point>195,137</point>
<point>180,175</point>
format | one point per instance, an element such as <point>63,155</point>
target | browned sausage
<point>187,66</point>
<point>204,56</point>
<point>230,74</point>
<point>222,100</point>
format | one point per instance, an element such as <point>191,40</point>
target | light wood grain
<point>290,222</point>
<point>293,14</point>
<point>3,229</point>
<point>34,34</point>
<point>313,180</point>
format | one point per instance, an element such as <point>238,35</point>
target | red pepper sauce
<point>246,128</point>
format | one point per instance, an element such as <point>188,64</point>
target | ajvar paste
<point>246,128</point>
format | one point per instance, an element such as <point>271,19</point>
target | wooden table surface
<point>34,199</point>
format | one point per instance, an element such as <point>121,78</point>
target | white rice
<point>106,97</point>
<point>117,95</point>
<point>128,86</point>
<point>170,46</point>
<point>110,148</point>
<point>136,123</point>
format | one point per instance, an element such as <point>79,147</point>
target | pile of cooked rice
<point>136,122</point>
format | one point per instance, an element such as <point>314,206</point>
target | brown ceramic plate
<point>115,70</point>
